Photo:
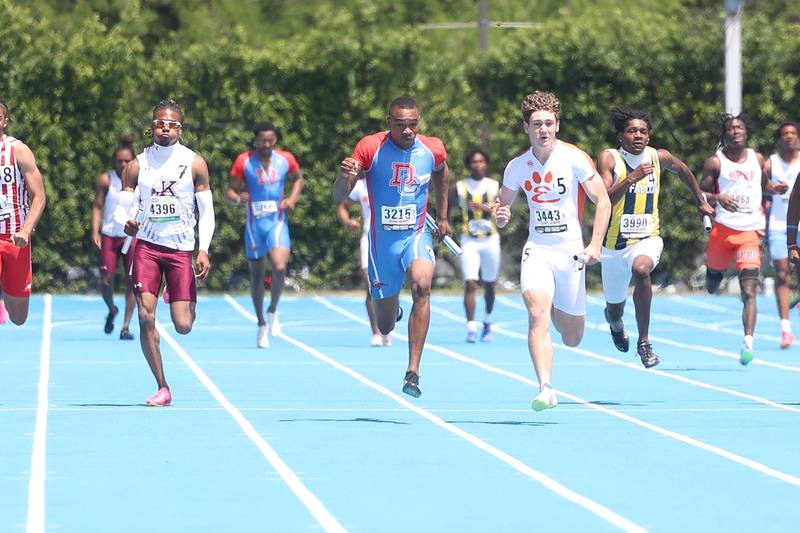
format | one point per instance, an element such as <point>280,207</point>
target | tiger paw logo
<point>540,187</point>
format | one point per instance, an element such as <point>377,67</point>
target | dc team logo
<point>404,178</point>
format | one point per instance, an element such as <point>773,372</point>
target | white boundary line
<point>36,492</point>
<point>708,326</point>
<point>638,368</point>
<point>551,484</point>
<point>720,308</point>
<point>312,503</point>
<point>695,347</point>
<point>788,478</point>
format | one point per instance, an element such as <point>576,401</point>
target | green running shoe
<point>745,355</point>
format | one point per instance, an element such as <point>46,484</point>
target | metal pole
<point>733,57</point>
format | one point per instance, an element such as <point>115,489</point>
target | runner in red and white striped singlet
<point>22,201</point>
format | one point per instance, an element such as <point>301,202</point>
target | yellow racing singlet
<point>478,225</point>
<point>634,216</point>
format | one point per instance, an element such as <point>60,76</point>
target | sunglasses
<point>160,124</point>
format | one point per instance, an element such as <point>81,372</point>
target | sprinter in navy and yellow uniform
<point>632,246</point>
<point>474,196</point>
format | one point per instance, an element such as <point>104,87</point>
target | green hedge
<point>73,86</point>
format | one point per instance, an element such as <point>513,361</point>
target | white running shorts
<point>480,255</point>
<point>554,271</point>
<point>616,266</point>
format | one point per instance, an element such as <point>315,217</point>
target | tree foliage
<point>84,71</point>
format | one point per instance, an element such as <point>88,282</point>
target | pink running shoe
<point>166,296</point>
<point>3,313</point>
<point>160,399</point>
<point>786,339</point>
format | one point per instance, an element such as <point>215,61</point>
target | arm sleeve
<point>205,224</point>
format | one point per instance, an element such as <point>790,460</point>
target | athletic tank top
<point>478,225</point>
<point>743,182</point>
<point>111,227</point>
<point>635,215</point>
<point>786,172</point>
<point>166,196</point>
<point>13,193</point>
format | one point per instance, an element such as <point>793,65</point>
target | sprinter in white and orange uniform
<point>553,176</point>
<point>732,179</point>
<point>171,179</point>
<point>22,201</point>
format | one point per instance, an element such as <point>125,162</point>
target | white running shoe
<point>262,341</point>
<point>375,340</point>
<point>546,399</point>
<point>386,340</point>
<point>274,325</point>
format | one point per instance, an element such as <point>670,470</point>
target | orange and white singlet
<point>742,181</point>
<point>13,192</point>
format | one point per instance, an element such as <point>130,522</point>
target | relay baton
<point>451,244</point>
<point>128,239</point>
<point>707,223</point>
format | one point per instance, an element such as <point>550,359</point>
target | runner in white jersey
<point>553,176</point>
<point>732,178</point>
<point>473,197</point>
<point>108,236</point>
<point>171,178</point>
<point>780,171</point>
<point>22,202</point>
<point>360,196</point>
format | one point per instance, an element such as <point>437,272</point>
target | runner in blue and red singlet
<point>398,166</point>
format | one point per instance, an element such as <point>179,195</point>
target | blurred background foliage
<point>78,73</point>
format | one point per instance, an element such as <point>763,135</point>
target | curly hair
<point>540,101</point>
<point>621,115</point>
<point>169,104</point>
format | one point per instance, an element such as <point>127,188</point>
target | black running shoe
<point>109,327</point>
<point>647,355</point>
<point>125,335</point>
<point>620,338</point>
<point>411,384</point>
<point>399,314</point>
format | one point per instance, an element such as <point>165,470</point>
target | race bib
<point>550,220</point>
<point>163,209</point>
<point>6,208</point>
<point>636,226</point>
<point>398,218</point>
<point>743,199</point>
<point>264,208</point>
<point>479,227</point>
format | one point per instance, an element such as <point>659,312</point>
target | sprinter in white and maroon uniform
<point>22,201</point>
<point>109,236</point>
<point>553,176</point>
<point>780,172</point>
<point>171,178</point>
<point>732,178</point>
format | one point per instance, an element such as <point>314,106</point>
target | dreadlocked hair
<point>540,101</point>
<point>169,104</point>
<point>621,115</point>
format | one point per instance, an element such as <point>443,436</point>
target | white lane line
<point>772,472</point>
<point>720,308</point>
<point>312,503</point>
<point>36,492</point>
<point>638,368</point>
<point>556,487</point>
<point>708,326</point>
<point>695,347</point>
